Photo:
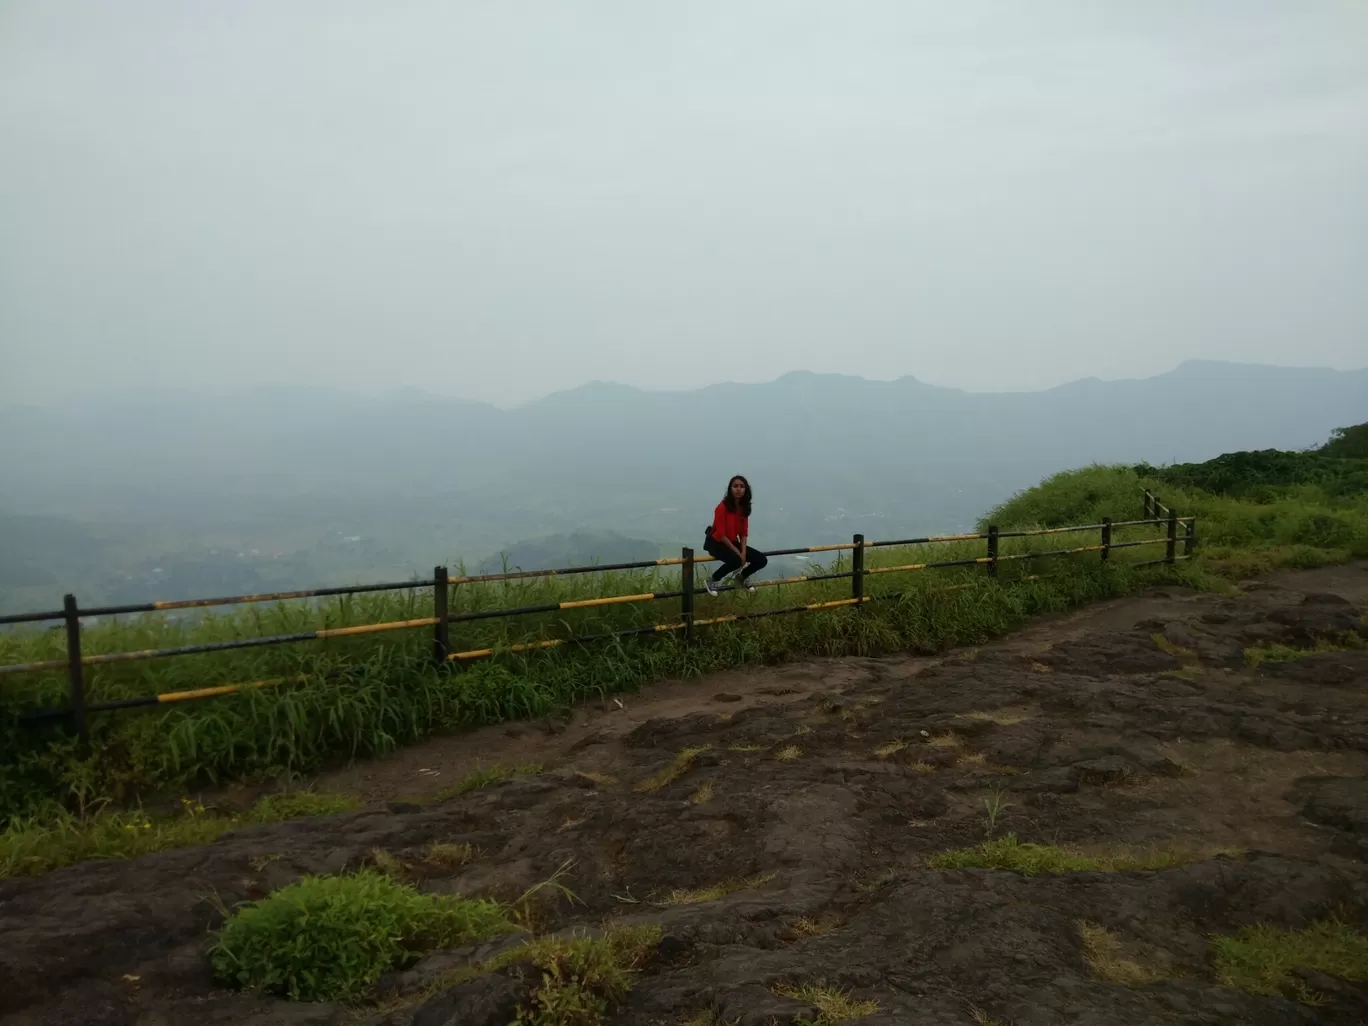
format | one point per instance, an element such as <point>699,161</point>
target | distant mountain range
<point>422,478</point>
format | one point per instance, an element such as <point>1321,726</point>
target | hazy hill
<point>410,478</point>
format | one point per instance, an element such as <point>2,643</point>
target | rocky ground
<point>803,812</point>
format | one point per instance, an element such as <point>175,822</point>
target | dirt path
<point>815,794</point>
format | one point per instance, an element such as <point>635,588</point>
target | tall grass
<point>369,694</point>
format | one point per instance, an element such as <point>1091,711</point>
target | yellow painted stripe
<point>226,689</point>
<point>896,569</point>
<point>612,600</point>
<point>829,548</point>
<point>716,619</point>
<point>481,653</point>
<point>374,628</point>
<point>678,560</point>
<point>778,581</point>
<point>955,538</point>
<point>833,605</point>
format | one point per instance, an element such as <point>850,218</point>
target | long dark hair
<point>730,503</point>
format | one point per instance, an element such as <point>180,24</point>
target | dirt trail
<point>826,785</point>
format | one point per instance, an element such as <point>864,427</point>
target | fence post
<point>1190,537</point>
<point>1106,538</point>
<point>1157,508</point>
<point>74,668</point>
<point>858,575</point>
<point>686,599</point>
<point>992,550</point>
<point>1172,549</point>
<point>441,591</point>
<point>1147,504</point>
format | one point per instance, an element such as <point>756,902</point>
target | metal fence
<point>442,585</point>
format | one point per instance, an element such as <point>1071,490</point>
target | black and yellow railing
<point>442,584</point>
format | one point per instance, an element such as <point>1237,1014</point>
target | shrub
<point>330,937</point>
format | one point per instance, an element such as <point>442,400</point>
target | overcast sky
<point>501,199</point>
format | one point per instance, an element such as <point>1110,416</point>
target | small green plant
<point>1034,859</point>
<point>833,1006</point>
<point>1103,952</point>
<point>675,769</point>
<point>696,896</point>
<point>583,978</point>
<point>993,808</point>
<point>330,937</point>
<point>485,776</point>
<point>1256,656</point>
<point>1260,959</point>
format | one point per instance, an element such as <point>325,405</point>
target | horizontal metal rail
<point>225,646</point>
<point>197,694</point>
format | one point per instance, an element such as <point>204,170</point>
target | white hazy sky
<point>498,199</point>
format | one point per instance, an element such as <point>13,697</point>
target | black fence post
<point>686,599</point>
<point>441,593</point>
<point>992,550</point>
<point>1157,508</point>
<point>1106,538</point>
<point>857,566</point>
<point>1190,537</point>
<point>1147,504</point>
<point>1172,549</point>
<point>74,668</point>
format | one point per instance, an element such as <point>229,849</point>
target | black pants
<point>755,559</point>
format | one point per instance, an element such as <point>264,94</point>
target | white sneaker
<point>748,586</point>
<point>711,585</point>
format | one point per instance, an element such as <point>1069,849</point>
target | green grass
<point>370,694</point>
<point>485,776</point>
<point>582,978</point>
<point>1297,527</point>
<point>28,848</point>
<point>833,1005</point>
<point>330,937</point>
<point>1257,655</point>
<point>1260,959</point>
<point>1036,859</point>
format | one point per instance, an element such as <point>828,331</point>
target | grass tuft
<point>677,767</point>
<point>1260,959</point>
<point>484,777</point>
<point>890,748</point>
<point>1256,656</point>
<point>833,1006</point>
<point>583,978</point>
<point>1173,649</point>
<point>449,856</point>
<point>1029,859</point>
<point>703,794</point>
<point>327,938</point>
<point>788,753</point>
<point>1103,952</point>
<point>683,896</point>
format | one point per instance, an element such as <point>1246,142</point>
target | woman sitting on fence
<point>726,538</point>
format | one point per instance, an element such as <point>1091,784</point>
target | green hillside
<point>1256,511</point>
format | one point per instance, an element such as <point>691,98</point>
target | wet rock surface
<point>820,792</point>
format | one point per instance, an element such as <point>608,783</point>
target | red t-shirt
<point>729,525</point>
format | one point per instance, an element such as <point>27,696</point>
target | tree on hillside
<point>1348,442</point>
